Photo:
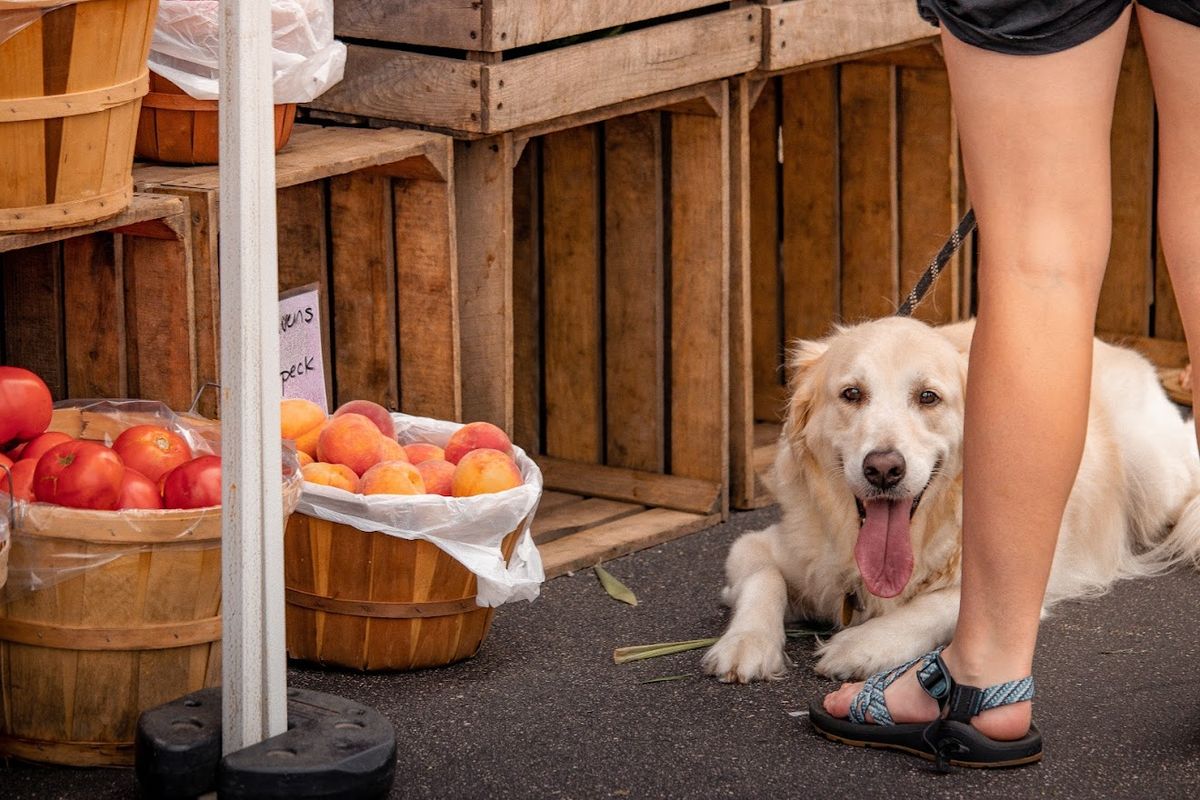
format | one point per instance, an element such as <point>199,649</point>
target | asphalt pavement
<point>543,712</point>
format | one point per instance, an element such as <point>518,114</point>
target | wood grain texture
<point>766,295</point>
<point>32,281</point>
<point>627,535</point>
<point>94,316</point>
<point>527,311</point>
<point>634,323</point>
<point>364,289</point>
<point>741,350</point>
<point>867,151</point>
<point>809,31</point>
<point>436,23</point>
<point>568,519</point>
<point>631,486</point>
<point>143,208</point>
<point>303,244</point>
<point>517,23</point>
<point>1167,322</point>
<point>571,231</point>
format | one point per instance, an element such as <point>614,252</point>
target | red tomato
<point>79,475</point>
<point>138,491</point>
<point>25,404</point>
<point>152,450</point>
<point>35,448</point>
<point>22,475</point>
<point>196,484</point>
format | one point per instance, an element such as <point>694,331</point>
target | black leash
<point>937,264</point>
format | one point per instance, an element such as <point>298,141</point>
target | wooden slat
<point>870,266</point>
<point>94,317</point>
<point>928,182</point>
<point>741,363</point>
<point>364,289</point>
<point>766,297</point>
<point>699,296</point>
<point>1167,322</point>
<point>631,486</point>
<point>143,207</point>
<point>437,23</point>
<point>517,23</point>
<point>527,311</point>
<point>571,304</point>
<point>628,535</point>
<point>1127,292</point>
<point>552,499</point>
<point>634,323</point>
<point>33,324</point>
<point>568,519</point>
<point>811,255</point>
<point>304,253</point>
<point>427,297</point>
<point>483,197</point>
<point>809,31</point>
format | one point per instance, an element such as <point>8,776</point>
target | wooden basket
<point>81,658</point>
<point>370,601</point>
<point>70,88</point>
<point>176,128</point>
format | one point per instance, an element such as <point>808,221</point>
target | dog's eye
<point>852,394</point>
<point>928,398</point>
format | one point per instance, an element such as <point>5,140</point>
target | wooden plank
<point>631,486</point>
<point>1127,292</point>
<point>552,499</point>
<point>923,56</point>
<point>741,321</point>
<point>773,399</point>
<point>928,184</point>
<point>303,244</point>
<point>811,256</point>
<point>613,539</point>
<point>518,23</point>
<point>527,312</point>
<point>364,289</point>
<point>33,316</point>
<point>766,295</point>
<point>870,265</point>
<point>634,320</point>
<point>94,317</point>
<point>427,299</point>
<point>688,98</point>
<point>1167,322</point>
<point>810,31</point>
<point>483,201</point>
<point>142,208</point>
<point>568,519</point>
<point>436,23</point>
<point>609,70</point>
<point>1165,353</point>
<point>571,302</point>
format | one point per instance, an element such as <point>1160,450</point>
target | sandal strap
<point>870,699</point>
<point>960,702</point>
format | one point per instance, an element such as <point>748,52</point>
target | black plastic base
<point>333,748</point>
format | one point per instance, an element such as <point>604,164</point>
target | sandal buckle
<point>935,680</point>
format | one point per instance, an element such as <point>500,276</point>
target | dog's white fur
<point>1133,509</point>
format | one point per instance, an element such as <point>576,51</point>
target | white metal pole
<point>253,666</point>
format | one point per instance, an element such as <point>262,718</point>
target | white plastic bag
<point>469,529</point>
<point>305,58</point>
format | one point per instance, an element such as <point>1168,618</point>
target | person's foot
<point>908,702</point>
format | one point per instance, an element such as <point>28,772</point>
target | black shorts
<point>1036,27</point>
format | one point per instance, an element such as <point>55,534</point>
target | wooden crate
<point>802,33</point>
<point>105,310</point>
<point>369,216</point>
<point>511,66</point>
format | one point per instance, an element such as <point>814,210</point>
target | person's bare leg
<point>1035,140</point>
<point>1173,49</point>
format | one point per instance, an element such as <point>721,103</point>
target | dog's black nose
<point>883,469</point>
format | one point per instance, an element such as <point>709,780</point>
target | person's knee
<point>1074,273</point>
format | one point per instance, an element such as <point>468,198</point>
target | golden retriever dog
<point>868,475</point>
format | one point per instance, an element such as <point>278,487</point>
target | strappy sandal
<point>950,740</point>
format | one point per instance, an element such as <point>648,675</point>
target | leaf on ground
<point>637,652</point>
<point>616,590</point>
<point>666,678</point>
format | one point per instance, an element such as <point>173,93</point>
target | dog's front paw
<point>864,650</point>
<point>746,657</point>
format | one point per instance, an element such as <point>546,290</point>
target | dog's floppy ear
<point>804,359</point>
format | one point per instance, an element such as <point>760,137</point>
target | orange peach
<point>392,450</point>
<point>424,451</point>
<point>438,475</point>
<point>392,477</point>
<point>298,416</point>
<point>307,443</point>
<point>304,458</point>
<point>484,471</point>
<point>474,436</point>
<point>372,411</point>
<point>350,439</point>
<point>337,475</point>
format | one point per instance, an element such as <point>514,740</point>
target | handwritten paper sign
<point>301,362</point>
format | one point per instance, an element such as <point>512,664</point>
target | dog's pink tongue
<point>883,550</point>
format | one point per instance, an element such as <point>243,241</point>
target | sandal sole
<point>1016,762</point>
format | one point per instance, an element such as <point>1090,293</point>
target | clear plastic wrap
<point>306,60</point>
<point>17,15</point>
<point>469,529</point>
<point>51,543</point>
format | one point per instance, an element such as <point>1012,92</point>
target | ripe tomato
<point>196,484</point>
<point>152,450</point>
<point>22,475</point>
<point>79,475</point>
<point>138,491</point>
<point>25,404</point>
<point>38,445</point>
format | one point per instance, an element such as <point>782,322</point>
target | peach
<point>474,436</point>
<point>392,477</point>
<point>298,416</point>
<point>392,450</point>
<point>484,471</point>
<point>337,475</point>
<point>350,439</point>
<point>372,411</point>
<point>438,475</point>
<point>307,443</point>
<point>424,451</point>
<point>304,458</point>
